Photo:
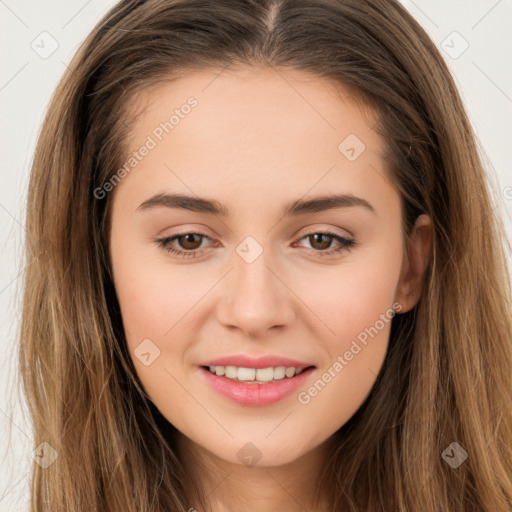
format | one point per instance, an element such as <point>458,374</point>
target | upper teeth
<point>255,374</point>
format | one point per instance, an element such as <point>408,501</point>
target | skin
<point>258,139</point>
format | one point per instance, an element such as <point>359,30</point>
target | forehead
<point>265,129</point>
<point>243,100</point>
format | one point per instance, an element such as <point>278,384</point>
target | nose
<point>255,299</point>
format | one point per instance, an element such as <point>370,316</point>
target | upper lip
<point>244,361</point>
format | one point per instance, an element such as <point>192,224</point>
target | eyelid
<point>187,230</point>
<point>315,228</point>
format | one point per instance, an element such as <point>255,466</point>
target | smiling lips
<point>255,381</point>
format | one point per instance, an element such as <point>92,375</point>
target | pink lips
<point>256,394</point>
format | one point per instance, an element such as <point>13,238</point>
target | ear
<point>416,260</point>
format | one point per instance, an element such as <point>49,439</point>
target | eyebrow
<point>292,209</point>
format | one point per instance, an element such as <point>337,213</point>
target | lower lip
<point>256,394</point>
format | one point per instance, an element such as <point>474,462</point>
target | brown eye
<point>186,245</point>
<point>187,241</point>
<point>321,241</point>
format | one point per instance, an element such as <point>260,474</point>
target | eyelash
<point>164,243</point>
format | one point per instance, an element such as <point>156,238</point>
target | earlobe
<point>415,263</point>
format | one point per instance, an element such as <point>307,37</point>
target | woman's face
<point>292,257</point>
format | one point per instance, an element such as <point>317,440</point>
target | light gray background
<point>30,71</point>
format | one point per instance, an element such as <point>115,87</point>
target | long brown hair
<point>447,376</point>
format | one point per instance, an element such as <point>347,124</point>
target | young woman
<point>263,270</point>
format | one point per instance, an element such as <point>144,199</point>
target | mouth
<point>256,386</point>
<point>256,375</point>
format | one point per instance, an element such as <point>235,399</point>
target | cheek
<point>352,296</point>
<point>156,303</point>
<point>157,308</point>
<point>356,313</point>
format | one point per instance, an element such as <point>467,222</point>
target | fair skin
<point>257,140</point>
